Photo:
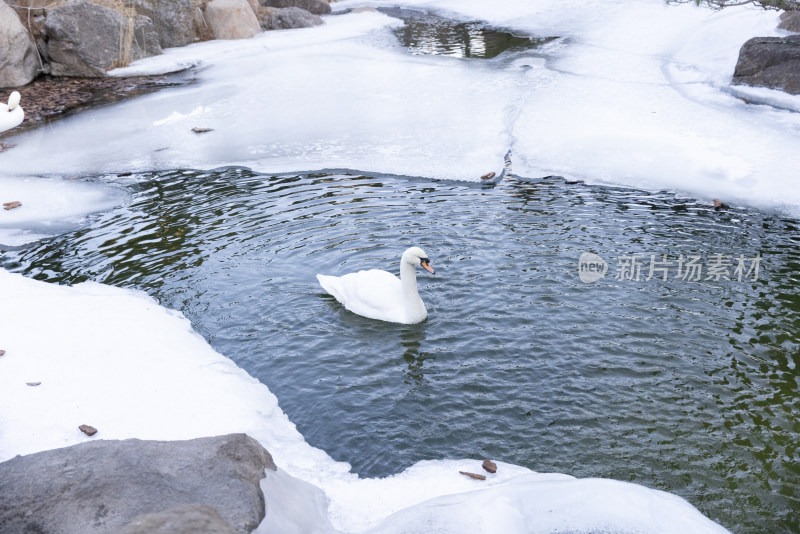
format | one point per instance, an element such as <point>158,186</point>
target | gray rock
<point>790,21</point>
<point>18,62</point>
<point>317,7</point>
<point>185,519</point>
<point>231,19</point>
<point>102,486</point>
<point>87,39</point>
<point>285,18</point>
<point>772,62</point>
<point>173,20</point>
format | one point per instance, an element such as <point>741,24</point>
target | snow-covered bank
<point>115,359</point>
<point>633,93</point>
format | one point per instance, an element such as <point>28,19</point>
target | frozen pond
<point>330,150</point>
<point>684,385</point>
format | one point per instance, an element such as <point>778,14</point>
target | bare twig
<point>788,5</point>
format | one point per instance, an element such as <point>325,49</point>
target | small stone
<point>88,430</point>
<point>718,204</point>
<point>2,352</point>
<point>11,205</point>
<point>33,383</point>
<point>473,475</point>
<point>487,176</point>
<point>490,465</point>
<point>198,129</point>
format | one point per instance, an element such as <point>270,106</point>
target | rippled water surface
<point>685,385</point>
<point>424,32</point>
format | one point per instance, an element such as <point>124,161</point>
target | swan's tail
<point>328,283</point>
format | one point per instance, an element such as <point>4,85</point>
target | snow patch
<point>115,359</point>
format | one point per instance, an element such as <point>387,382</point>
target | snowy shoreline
<point>116,359</point>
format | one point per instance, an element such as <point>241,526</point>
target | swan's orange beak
<point>426,264</point>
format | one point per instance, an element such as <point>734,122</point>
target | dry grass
<point>127,28</point>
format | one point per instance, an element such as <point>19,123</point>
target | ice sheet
<point>325,97</point>
<point>50,206</point>
<point>638,93</point>
<point>635,93</point>
<point>645,102</point>
<point>114,359</point>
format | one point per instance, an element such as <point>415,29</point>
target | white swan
<point>11,115</point>
<point>381,295</point>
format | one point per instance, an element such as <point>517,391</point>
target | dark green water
<point>425,32</point>
<point>686,386</point>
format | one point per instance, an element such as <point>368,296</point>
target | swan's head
<point>416,256</point>
<point>13,100</point>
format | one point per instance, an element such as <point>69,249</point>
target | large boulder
<point>87,39</point>
<point>285,18</point>
<point>231,19</point>
<point>18,63</point>
<point>102,486</point>
<point>772,62</point>
<point>317,7</point>
<point>790,21</point>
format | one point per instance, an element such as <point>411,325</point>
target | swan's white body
<point>11,114</point>
<point>381,295</point>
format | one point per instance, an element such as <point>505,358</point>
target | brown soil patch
<point>49,98</point>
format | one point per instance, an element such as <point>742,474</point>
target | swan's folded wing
<point>374,293</point>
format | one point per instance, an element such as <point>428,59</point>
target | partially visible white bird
<point>11,114</point>
<point>381,295</point>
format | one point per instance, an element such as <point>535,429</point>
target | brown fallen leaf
<point>473,475</point>
<point>2,352</point>
<point>11,205</point>
<point>490,466</point>
<point>487,176</point>
<point>88,430</point>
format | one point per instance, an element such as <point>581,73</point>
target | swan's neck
<point>413,306</point>
<point>408,280</point>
